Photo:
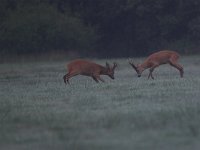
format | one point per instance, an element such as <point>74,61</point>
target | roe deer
<point>88,68</point>
<point>157,59</point>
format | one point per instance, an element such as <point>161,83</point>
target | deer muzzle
<point>112,77</point>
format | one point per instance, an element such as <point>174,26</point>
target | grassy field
<point>37,110</point>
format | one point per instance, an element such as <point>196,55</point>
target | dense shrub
<point>42,28</point>
<point>114,28</point>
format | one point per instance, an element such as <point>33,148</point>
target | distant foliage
<point>103,27</point>
<point>42,28</point>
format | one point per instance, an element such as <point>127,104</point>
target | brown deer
<point>157,59</point>
<point>88,68</point>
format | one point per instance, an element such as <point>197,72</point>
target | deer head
<point>110,70</point>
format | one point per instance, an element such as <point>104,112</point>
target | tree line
<point>111,28</point>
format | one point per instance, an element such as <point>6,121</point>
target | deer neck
<point>145,65</point>
<point>104,71</point>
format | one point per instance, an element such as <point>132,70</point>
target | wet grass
<point>37,111</point>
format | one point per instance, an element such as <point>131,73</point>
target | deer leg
<point>99,78</point>
<point>150,74</point>
<point>177,66</point>
<point>151,71</point>
<point>69,75</point>
<point>67,78</point>
<point>64,78</point>
<point>95,79</point>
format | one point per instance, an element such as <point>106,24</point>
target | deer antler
<point>132,64</point>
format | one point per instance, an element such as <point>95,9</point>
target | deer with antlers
<point>88,68</point>
<point>157,59</point>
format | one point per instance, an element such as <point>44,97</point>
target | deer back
<point>84,67</point>
<point>162,57</point>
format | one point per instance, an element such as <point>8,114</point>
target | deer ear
<point>107,65</point>
<point>114,65</point>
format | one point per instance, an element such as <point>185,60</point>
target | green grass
<point>37,110</point>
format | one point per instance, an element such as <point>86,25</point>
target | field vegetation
<point>38,111</point>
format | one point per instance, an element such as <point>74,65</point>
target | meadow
<point>38,111</point>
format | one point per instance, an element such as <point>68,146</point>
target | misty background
<point>99,28</point>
